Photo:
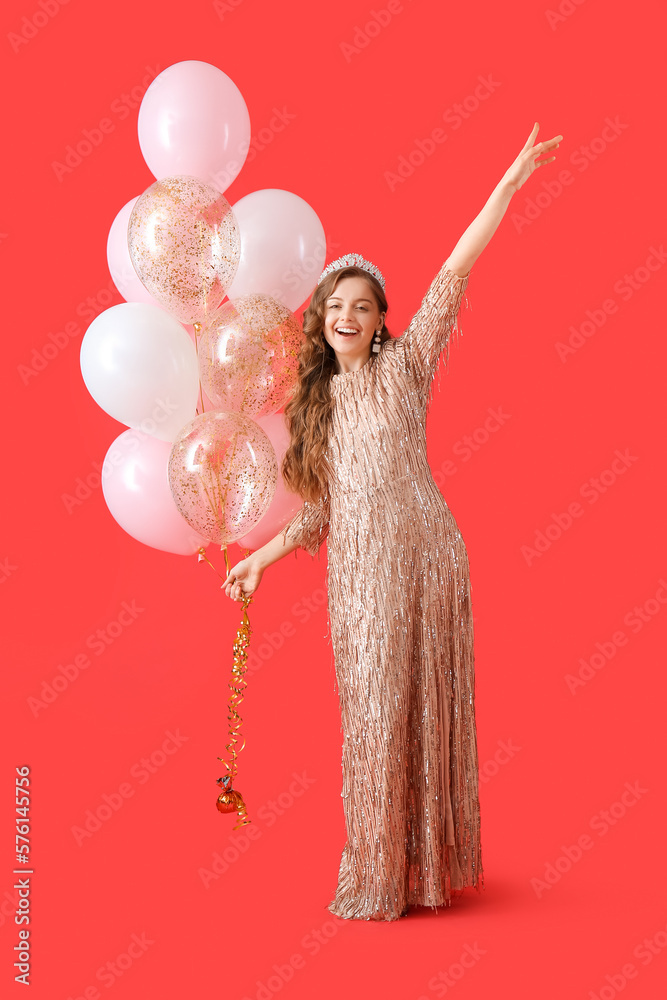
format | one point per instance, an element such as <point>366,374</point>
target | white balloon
<point>140,366</point>
<point>283,247</point>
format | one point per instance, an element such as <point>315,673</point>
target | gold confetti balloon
<point>222,474</point>
<point>249,355</point>
<point>185,245</point>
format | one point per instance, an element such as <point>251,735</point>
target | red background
<point>65,575</point>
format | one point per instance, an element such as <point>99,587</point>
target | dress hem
<point>347,912</point>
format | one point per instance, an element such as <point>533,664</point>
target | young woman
<point>398,577</point>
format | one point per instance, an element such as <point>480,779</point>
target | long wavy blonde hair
<point>308,411</point>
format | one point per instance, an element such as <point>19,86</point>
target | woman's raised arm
<point>429,332</point>
<point>482,228</point>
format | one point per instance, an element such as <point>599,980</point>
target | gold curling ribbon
<point>230,799</point>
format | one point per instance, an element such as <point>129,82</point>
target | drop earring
<point>376,342</point>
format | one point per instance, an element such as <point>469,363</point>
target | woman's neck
<point>345,363</point>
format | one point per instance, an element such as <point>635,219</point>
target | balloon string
<point>204,558</point>
<point>197,328</point>
<point>237,686</point>
<point>223,500</point>
<point>214,498</point>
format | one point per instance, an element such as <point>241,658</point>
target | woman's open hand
<point>243,579</point>
<point>526,162</point>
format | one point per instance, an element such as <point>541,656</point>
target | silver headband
<point>353,260</point>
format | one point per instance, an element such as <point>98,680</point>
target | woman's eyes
<point>334,305</point>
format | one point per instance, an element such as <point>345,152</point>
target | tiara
<point>353,260</point>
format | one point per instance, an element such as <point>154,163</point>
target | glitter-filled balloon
<point>222,475</point>
<point>249,355</point>
<point>185,245</point>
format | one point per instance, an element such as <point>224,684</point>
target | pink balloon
<point>193,120</point>
<point>284,504</point>
<point>136,491</point>
<point>125,278</point>
<point>283,247</point>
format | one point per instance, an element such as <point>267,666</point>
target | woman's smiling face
<point>352,307</point>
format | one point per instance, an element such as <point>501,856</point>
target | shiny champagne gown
<point>402,632</point>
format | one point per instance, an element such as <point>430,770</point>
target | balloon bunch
<point>202,355</point>
<point>200,358</point>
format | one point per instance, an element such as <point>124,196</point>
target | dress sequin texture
<point>401,627</point>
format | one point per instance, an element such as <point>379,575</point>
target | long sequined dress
<point>401,629</point>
